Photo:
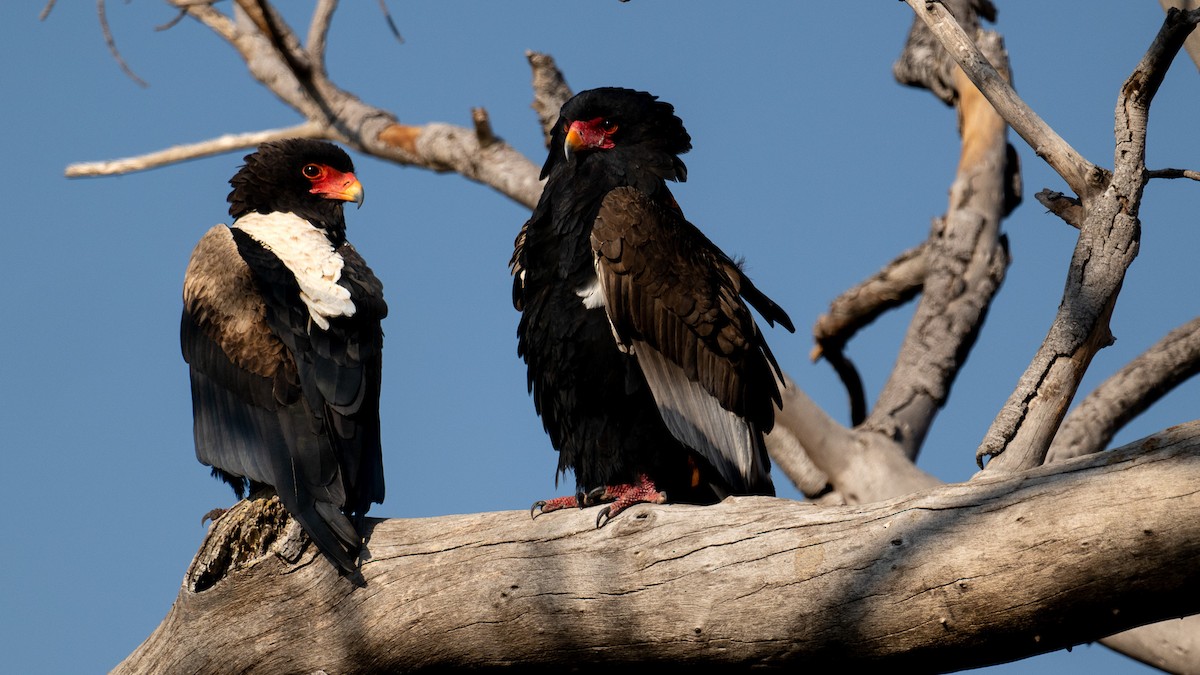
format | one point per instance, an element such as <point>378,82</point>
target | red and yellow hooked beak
<point>587,135</point>
<point>337,185</point>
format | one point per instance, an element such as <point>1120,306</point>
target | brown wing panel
<point>674,300</point>
<point>666,284</point>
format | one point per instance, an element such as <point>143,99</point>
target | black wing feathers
<point>304,418</point>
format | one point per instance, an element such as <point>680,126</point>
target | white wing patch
<point>696,418</point>
<point>306,251</point>
<point>592,294</point>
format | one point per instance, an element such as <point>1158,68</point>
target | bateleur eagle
<point>281,332</point>
<point>645,364</point>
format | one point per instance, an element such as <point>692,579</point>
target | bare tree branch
<point>1128,393</point>
<point>367,129</point>
<point>1068,208</point>
<point>1107,245</point>
<point>860,467</point>
<point>966,259</point>
<point>387,17</point>
<point>954,577</point>
<point>1173,173</point>
<point>1172,646</point>
<point>1079,174</point>
<point>550,90</point>
<point>183,153</point>
<point>898,282</point>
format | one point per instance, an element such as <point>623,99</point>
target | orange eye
<point>313,171</point>
<point>608,126</point>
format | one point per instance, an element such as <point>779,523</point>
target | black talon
<point>593,497</point>
<point>603,516</point>
<point>536,509</point>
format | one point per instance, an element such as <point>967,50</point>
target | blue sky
<point>809,161</point>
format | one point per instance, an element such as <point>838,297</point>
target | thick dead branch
<point>550,91</point>
<point>1107,245</point>
<point>860,467</point>
<point>1128,393</point>
<point>955,577</point>
<point>966,259</point>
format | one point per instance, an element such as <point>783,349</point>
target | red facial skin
<point>595,134</point>
<point>333,184</point>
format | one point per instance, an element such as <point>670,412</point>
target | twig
<point>387,16</point>
<point>112,45</point>
<point>1069,209</point>
<point>483,127</point>
<point>897,283</point>
<point>1173,173</point>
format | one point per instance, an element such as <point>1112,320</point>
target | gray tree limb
<point>295,74</point>
<point>1129,392</point>
<point>957,270</point>
<point>1107,244</point>
<point>954,577</point>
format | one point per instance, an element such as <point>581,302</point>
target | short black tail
<point>332,532</point>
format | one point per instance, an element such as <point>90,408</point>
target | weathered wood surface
<point>953,577</point>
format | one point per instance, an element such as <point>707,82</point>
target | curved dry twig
<point>111,43</point>
<point>897,283</point>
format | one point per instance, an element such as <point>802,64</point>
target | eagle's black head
<point>298,175</point>
<point>620,127</point>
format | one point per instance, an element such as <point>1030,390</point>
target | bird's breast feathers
<point>311,258</point>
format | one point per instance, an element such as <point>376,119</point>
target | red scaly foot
<point>621,496</point>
